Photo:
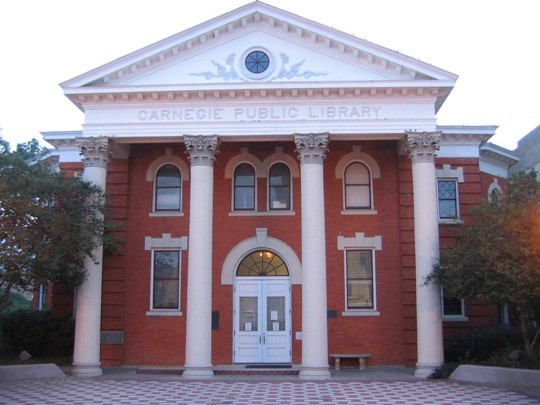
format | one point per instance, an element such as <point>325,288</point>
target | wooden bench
<point>362,358</point>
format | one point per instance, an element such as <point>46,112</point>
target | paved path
<point>175,390</point>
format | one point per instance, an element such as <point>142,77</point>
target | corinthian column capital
<point>202,149</point>
<point>311,148</point>
<point>422,146</point>
<point>95,151</point>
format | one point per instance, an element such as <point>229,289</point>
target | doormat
<point>268,366</point>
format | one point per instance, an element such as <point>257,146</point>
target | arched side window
<point>279,187</point>
<point>168,189</point>
<point>244,188</point>
<point>262,263</point>
<point>357,186</point>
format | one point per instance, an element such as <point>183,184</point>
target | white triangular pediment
<point>212,54</point>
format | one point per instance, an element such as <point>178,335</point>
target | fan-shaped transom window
<point>262,263</point>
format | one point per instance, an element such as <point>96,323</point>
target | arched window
<point>262,263</point>
<point>357,184</point>
<point>279,184</point>
<point>244,188</point>
<point>168,189</point>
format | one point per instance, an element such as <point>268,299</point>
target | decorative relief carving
<point>201,149</point>
<point>311,148</point>
<point>228,72</point>
<point>221,71</point>
<point>95,151</point>
<point>294,71</point>
<point>422,146</point>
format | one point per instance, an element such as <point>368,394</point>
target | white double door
<point>262,320</point>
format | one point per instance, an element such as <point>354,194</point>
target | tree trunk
<point>524,331</point>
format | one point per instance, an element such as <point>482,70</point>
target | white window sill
<point>456,221</point>
<point>261,213</point>
<point>359,212</point>
<point>164,312</point>
<point>361,312</point>
<point>166,214</point>
<point>455,318</point>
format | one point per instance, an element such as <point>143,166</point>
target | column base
<point>86,370</point>
<point>319,373</point>
<point>424,370</point>
<point>198,372</point>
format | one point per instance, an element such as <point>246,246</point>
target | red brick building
<point>283,189</point>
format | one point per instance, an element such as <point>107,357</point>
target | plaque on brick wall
<point>331,313</point>
<point>112,337</point>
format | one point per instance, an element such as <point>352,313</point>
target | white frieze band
<point>311,148</point>
<point>202,149</point>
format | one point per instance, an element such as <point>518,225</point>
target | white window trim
<point>151,173</point>
<point>166,242</point>
<point>492,187</point>
<point>360,242</point>
<point>256,188</point>
<point>449,174</point>
<point>453,318</point>
<point>268,209</point>
<point>374,172</point>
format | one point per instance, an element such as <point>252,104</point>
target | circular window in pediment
<point>257,63</point>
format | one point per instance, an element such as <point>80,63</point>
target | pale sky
<point>493,45</point>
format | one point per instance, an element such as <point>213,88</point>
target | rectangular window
<point>447,197</point>
<point>166,280</point>
<point>359,270</point>
<point>452,307</point>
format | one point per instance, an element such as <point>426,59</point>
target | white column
<point>86,353</point>
<point>202,151</point>
<point>311,150</point>
<point>422,148</point>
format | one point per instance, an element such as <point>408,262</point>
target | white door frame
<point>264,345</point>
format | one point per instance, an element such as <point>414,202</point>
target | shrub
<point>478,345</point>
<point>38,332</point>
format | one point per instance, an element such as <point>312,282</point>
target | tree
<point>49,223</point>
<point>496,258</point>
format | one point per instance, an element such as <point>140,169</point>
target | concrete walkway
<point>373,386</point>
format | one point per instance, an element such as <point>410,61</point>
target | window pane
<point>249,314</point>
<point>357,197</point>
<point>357,173</point>
<point>447,190</point>
<point>244,175</point>
<point>279,175</point>
<point>244,198</point>
<point>447,209</point>
<point>359,279</point>
<point>452,307</point>
<point>166,280</point>
<point>262,263</point>
<point>280,198</point>
<point>275,305</point>
<point>168,176</point>
<point>167,199</point>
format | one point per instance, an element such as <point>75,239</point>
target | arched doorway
<point>262,309</point>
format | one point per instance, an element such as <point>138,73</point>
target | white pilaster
<point>86,353</point>
<point>312,150</point>
<point>202,151</point>
<point>422,148</point>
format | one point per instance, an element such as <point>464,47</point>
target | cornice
<point>261,91</point>
<point>266,16</point>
